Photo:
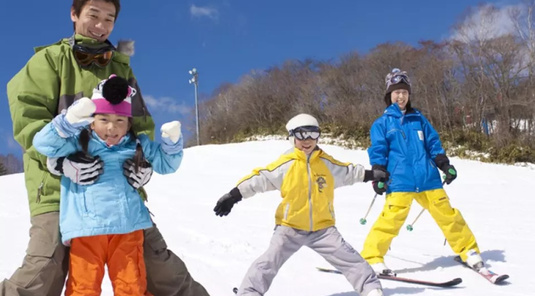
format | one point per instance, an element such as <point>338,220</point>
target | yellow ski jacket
<point>306,184</point>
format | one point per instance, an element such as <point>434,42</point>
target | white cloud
<point>166,104</point>
<point>199,11</point>
<point>487,22</point>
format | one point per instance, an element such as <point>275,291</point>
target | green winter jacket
<point>50,82</point>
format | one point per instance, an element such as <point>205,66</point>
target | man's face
<point>96,20</point>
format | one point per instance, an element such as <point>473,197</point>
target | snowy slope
<point>496,200</point>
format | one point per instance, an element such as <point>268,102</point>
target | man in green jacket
<point>55,77</point>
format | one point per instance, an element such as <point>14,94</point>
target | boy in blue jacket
<point>103,223</point>
<point>405,144</point>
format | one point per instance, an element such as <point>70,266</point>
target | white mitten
<point>79,113</point>
<point>171,130</point>
<point>75,118</point>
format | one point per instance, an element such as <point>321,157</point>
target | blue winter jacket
<point>407,146</point>
<point>110,205</point>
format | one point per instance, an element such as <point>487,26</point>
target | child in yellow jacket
<point>306,176</point>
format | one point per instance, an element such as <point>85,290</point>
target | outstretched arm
<point>260,180</point>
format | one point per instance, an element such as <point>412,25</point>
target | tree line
<point>10,164</point>
<point>478,91</point>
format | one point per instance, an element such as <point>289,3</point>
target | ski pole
<point>363,220</point>
<point>409,227</point>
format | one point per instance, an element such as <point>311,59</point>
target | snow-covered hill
<point>496,200</point>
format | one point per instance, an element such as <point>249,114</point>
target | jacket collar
<point>78,39</point>
<point>393,110</point>
<point>302,156</point>
<point>89,42</point>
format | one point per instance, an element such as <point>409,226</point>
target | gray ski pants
<point>46,263</point>
<point>327,242</point>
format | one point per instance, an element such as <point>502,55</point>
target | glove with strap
<point>443,163</point>
<point>377,173</point>
<point>141,177</point>
<point>380,176</point>
<point>77,117</point>
<point>227,201</point>
<point>81,168</point>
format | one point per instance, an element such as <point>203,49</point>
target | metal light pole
<point>195,81</point>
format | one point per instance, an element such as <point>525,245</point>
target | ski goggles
<point>85,56</point>
<point>397,76</point>
<point>400,78</point>
<point>306,132</point>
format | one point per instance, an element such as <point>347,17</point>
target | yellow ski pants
<point>395,212</point>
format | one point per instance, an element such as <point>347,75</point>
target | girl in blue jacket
<point>103,222</point>
<point>405,144</point>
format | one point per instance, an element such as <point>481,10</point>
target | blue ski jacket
<point>406,144</point>
<point>110,205</point>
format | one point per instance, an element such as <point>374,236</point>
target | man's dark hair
<point>77,6</point>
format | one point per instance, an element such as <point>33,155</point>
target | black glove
<point>143,175</point>
<point>379,187</point>
<point>227,201</point>
<point>377,173</point>
<point>380,176</point>
<point>81,168</point>
<point>443,163</point>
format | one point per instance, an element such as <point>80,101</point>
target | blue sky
<point>224,40</point>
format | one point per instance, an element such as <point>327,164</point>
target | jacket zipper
<point>401,125</point>
<point>331,210</point>
<point>310,193</point>
<point>39,189</point>
<point>287,208</point>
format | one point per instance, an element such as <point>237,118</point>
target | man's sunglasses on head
<point>85,56</point>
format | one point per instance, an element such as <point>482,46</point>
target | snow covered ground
<point>496,200</point>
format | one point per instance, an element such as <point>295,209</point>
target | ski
<point>485,272</point>
<point>445,284</point>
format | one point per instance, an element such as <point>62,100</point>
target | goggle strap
<point>72,42</point>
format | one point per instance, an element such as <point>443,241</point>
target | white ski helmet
<point>300,120</point>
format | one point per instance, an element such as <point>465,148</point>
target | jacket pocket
<point>39,192</point>
<point>286,211</point>
<point>331,210</point>
<point>40,188</point>
<point>85,205</point>
<point>393,172</point>
<point>154,242</point>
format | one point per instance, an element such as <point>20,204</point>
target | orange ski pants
<point>123,253</point>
